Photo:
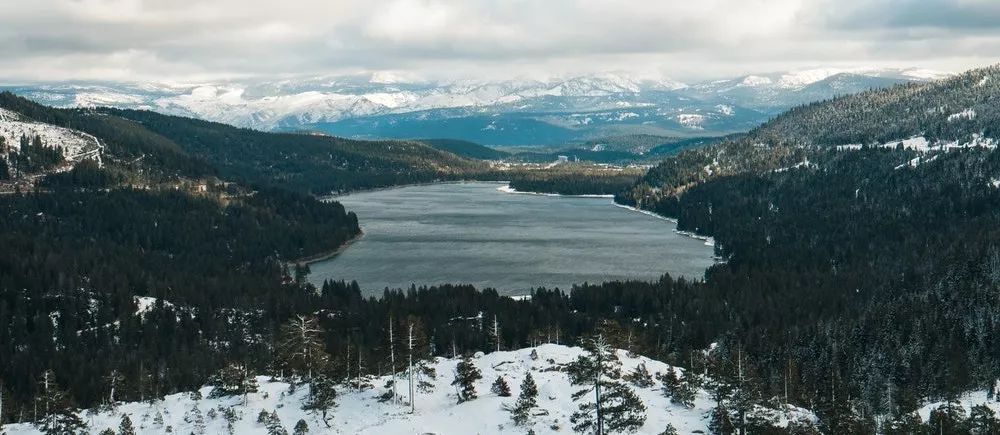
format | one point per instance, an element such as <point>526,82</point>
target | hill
<point>959,111</point>
<point>363,412</point>
<point>466,149</point>
<point>307,163</point>
<point>854,224</point>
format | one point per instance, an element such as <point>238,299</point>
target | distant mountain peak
<point>390,104</point>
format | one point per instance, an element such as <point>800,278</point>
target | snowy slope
<point>76,145</point>
<point>437,411</point>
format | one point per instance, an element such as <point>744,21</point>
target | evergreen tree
<point>640,377</point>
<point>301,428</point>
<point>466,375</point>
<point>198,421</point>
<point>947,418</point>
<point>107,431</point>
<point>720,422</point>
<point>680,391</point>
<point>803,426</point>
<point>669,430</point>
<point>526,401</point>
<point>322,397</point>
<point>300,346</point>
<point>58,415</point>
<point>273,425</point>
<point>125,427</point>
<point>615,407</point>
<point>500,387</point>
<point>232,380</point>
<point>982,420</point>
<point>905,424</point>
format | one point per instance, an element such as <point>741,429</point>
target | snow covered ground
<point>437,411</point>
<point>967,400</point>
<point>76,145</point>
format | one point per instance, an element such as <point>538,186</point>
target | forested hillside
<point>466,149</point>
<point>309,163</point>
<point>955,112</point>
<point>858,279</point>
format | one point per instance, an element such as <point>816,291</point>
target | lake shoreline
<point>512,191</point>
<point>334,196</point>
<point>323,256</point>
<point>482,234</point>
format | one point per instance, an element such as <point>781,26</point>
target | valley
<point>169,266</point>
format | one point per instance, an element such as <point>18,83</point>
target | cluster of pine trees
<point>32,155</point>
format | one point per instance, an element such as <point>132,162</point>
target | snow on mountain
<point>691,120</point>
<point>437,411</point>
<point>752,81</point>
<point>390,104</point>
<point>76,145</point>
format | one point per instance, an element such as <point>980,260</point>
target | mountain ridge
<point>633,103</point>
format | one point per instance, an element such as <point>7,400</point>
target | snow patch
<point>691,120</point>
<point>968,114</point>
<point>360,412</point>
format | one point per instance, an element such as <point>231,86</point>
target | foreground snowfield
<point>437,411</point>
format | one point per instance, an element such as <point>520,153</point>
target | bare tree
<point>300,347</point>
<point>392,362</point>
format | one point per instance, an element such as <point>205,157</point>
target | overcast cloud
<point>184,40</point>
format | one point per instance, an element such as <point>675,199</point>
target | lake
<point>473,233</point>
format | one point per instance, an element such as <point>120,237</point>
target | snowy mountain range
<point>507,112</point>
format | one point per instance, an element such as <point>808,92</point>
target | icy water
<point>472,233</point>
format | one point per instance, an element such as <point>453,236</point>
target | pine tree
<point>199,421</point>
<point>58,416</point>
<point>804,426</point>
<point>683,394</point>
<point>615,408</point>
<point>273,425</point>
<point>107,431</point>
<point>720,422</point>
<point>640,377</point>
<point>466,374</point>
<point>233,380</point>
<point>500,387</point>
<point>982,420</point>
<point>670,381</point>
<point>526,401</point>
<point>904,424</point>
<point>301,428</point>
<point>669,430</point>
<point>947,418</point>
<point>300,347</point>
<point>322,397</point>
<point>125,427</point>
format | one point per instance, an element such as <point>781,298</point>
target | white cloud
<point>186,39</point>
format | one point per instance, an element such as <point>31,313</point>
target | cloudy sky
<point>182,40</point>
